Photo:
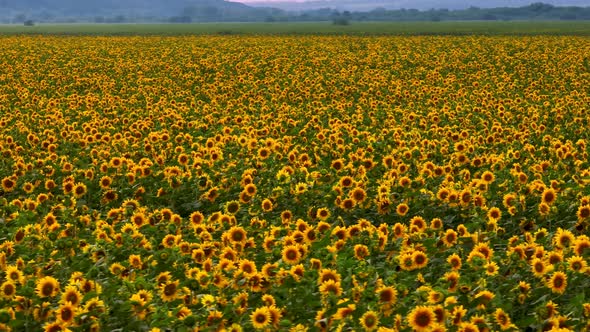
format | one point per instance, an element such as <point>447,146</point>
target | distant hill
<point>368,5</point>
<point>184,11</point>
<point>131,10</point>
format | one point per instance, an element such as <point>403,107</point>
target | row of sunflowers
<point>294,183</point>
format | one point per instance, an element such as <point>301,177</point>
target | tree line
<point>223,11</point>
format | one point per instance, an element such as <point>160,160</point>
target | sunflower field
<point>294,183</point>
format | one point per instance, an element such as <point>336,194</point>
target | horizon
<point>183,11</point>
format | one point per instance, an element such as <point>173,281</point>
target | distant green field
<point>355,28</point>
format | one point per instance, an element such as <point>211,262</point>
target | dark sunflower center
<point>423,319</point>
<point>47,289</point>
<point>170,289</point>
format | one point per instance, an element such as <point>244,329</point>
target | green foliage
<point>581,28</point>
<point>340,21</point>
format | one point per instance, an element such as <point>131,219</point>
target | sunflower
<point>577,264</point>
<point>116,162</point>
<point>237,234</point>
<point>268,300</point>
<point>331,287</point>
<point>484,297</point>
<point>211,195</point>
<point>47,287</point>
<point>369,320</point>
<point>522,178</point>
<point>479,200</point>
<point>43,311</point>
<point>300,188</point>
<point>275,314</point>
<point>344,312</point>
<point>434,296</point>
<point>442,194</point>
<point>581,245</point>
<point>557,282</point>
<point>554,257</point>
<point>419,259</point>
<point>539,267</point>
<point>548,196</point>
<point>405,182</point>
<point>291,254</point>
<point>494,214</point>
<point>386,294</point>
<point>406,261</point>
<point>544,209</point>
<point>563,238</point>
<point>315,263</point>
<point>263,153</point>
<point>421,318</point>
<point>418,224</point>
<point>235,328</point>
<point>487,177</point>
<point>328,274</point>
<point>247,267</point>
<point>551,309</point>
<point>232,207</point>
<point>65,314</point>
<point>453,279</point>
<point>250,189</point>
<point>71,295</point>
<point>196,218</point>
<point>465,197</point>
<point>402,209</point>
<point>55,327</point>
<point>383,205</point>
<point>50,220</point>
<point>323,214</point>
<point>583,212</point>
<point>267,205</point>
<point>436,223</point>
<point>183,312</point>
<point>502,319</point>
<point>169,241</point>
<point>14,274</point>
<point>109,196</point>
<point>116,268</point>
<point>337,164</point>
<point>347,204</point>
<point>346,181</point>
<point>28,187</point>
<point>8,289</point>
<point>169,291</point>
<point>509,200</point>
<point>361,251</point>
<point>454,261</point>
<point>358,195</point>
<point>483,249</point>
<point>260,318</point>
<point>8,184</point>
<point>468,327</point>
<point>79,189</point>
<point>450,237</point>
<point>135,261</point>
<point>491,268</point>
<point>183,159</point>
<point>105,182</point>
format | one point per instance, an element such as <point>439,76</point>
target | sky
<point>429,3</point>
<point>368,5</point>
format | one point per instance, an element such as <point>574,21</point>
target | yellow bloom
<point>421,319</point>
<point>260,318</point>
<point>47,287</point>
